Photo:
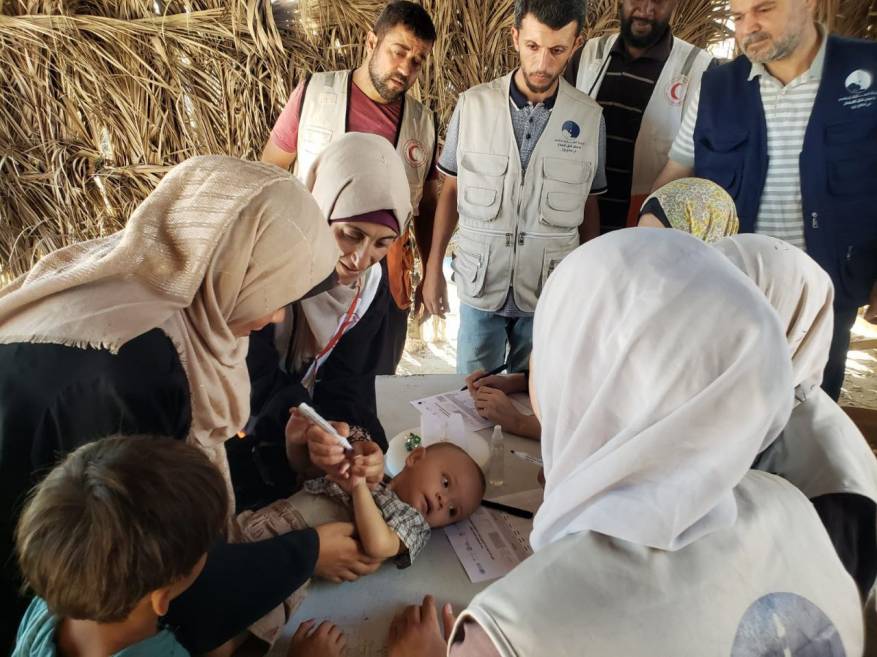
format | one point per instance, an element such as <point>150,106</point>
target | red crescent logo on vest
<point>676,90</point>
<point>414,154</point>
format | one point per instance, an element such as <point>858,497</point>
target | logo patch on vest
<point>571,130</point>
<point>414,153</point>
<point>676,89</point>
<point>858,84</point>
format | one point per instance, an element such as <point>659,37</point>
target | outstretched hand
<point>415,631</point>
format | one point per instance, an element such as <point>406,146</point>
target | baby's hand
<point>354,477</point>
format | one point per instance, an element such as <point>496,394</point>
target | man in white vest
<point>644,78</point>
<point>522,153</point>
<point>373,98</point>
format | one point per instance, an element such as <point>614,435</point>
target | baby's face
<point>441,482</point>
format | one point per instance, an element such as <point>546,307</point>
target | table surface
<point>363,609</point>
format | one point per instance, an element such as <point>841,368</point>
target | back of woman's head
<point>116,520</point>
<point>800,291</point>
<point>659,371</point>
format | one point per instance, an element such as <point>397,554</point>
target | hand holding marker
<point>315,417</point>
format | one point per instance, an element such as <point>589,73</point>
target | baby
<point>439,485</point>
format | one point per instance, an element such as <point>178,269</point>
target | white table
<point>363,609</point>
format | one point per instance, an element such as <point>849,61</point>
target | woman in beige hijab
<point>325,351</point>
<point>145,332</point>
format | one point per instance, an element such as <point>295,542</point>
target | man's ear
<point>371,42</point>
<point>415,456</point>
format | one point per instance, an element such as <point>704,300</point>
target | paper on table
<point>459,401</point>
<point>491,543</point>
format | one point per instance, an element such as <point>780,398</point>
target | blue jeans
<point>485,338</point>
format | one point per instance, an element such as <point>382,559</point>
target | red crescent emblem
<point>676,92</point>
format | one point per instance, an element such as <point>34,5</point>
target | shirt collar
<point>520,100</point>
<point>816,66</point>
<point>658,51</point>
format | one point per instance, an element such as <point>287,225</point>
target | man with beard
<point>789,128</point>
<point>643,78</point>
<point>521,155</point>
<point>373,98</point>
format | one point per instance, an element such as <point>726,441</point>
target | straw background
<point>98,98</point>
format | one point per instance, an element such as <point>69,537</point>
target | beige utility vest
<point>516,226</point>
<point>676,86</point>
<point>770,585</point>
<point>324,119</point>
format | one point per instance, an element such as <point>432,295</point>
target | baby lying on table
<point>439,485</point>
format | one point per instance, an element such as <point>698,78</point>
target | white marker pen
<point>315,417</point>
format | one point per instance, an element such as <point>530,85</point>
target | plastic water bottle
<point>496,471</point>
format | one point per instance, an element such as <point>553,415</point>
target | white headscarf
<point>799,290</point>
<point>357,174</point>
<point>659,372</point>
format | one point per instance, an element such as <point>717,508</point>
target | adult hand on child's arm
<point>415,631</point>
<point>341,557</point>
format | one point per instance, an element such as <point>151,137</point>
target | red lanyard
<point>348,319</point>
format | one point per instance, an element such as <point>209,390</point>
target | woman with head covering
<point>145,332</point>
<point>654,537</point>
<point>820,451</point>
<point>327,345</point>
<point>693,205</point>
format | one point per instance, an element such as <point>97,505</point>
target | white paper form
<point>446,403</point>
<point>491,543</point>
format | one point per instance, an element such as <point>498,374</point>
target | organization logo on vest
<point>858,85</point>
<point>569,143</point>
<point>414,153</point>
<point>676,89</point>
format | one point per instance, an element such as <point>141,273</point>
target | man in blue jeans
<point>521,156</point>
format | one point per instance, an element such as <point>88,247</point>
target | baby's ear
<point>415,456</point>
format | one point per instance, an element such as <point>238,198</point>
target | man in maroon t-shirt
<point>396,49</point>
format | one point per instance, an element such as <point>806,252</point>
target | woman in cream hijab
<point>325,351</point>
<point>820,451</point>
<point>654,537</point>
<point>145,331</point>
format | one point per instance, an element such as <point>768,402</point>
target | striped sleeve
<point>682,150</point>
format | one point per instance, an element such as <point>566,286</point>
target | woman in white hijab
<point>145,332</point>
<point>820,451</point>
<point>327,346</point>
<point>655,538</point>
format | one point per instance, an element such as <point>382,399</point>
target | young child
<point>110,537</point>
<point>439,485</point>
<point>115,532</point>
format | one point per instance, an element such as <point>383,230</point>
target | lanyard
<point>349,318</point>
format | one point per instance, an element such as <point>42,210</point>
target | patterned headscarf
<point>696,206</point>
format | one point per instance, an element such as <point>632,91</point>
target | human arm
<point>681,157</point>
<point>508,383</point>
<point>415,631</point>
<point>273,154</point>
<point>590,226</point>
<point>282,145</point>
<point>495,405</point>
<point>435,288</point>
<point>424,224</point>
<point>672,171</point>
<point>378,539</point>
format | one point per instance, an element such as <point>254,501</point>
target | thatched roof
<point>98,98</point>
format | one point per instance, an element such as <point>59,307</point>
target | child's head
<point>442,482</point>
<point>120,522</point>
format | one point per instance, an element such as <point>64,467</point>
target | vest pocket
<point>469,269</point>
<point>852,176</point>
<point>721,160</point>
<point>550,259</point>
<point>481,179</point>
<point>314,140</point>
<point>562,201</point>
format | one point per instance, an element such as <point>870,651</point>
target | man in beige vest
<point>522,153</point>
<point>374,98</point>
<point>644,78</point>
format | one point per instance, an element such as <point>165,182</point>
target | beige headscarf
<point>696,206</point>
<point>799,290</point>
<point>355,175</point>
<point>219,241</point>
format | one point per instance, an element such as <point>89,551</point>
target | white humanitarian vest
<point>821,451</point>
<point>324,118</point>
<point>676,86</point>
<point>515,227</point>
<point>770,585</point>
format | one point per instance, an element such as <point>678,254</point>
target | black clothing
<point>344,391</point>
<point>851,521</point>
